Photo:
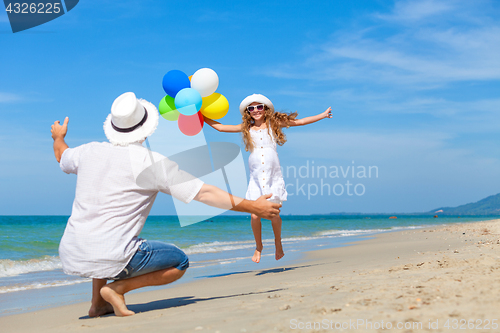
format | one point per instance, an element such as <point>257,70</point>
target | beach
<point>434,279</point>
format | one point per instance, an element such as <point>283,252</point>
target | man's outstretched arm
<point>214,196</point>
<point>58,133</point>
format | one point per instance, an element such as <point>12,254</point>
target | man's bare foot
<point>116,300</point>
<point>97,311</point>
<point>279,251</point>
<point>256,256</point>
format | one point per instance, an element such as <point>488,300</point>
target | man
<point>110,208</point>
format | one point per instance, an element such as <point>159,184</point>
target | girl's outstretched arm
<point>309,120</point>
<point>223,128</point>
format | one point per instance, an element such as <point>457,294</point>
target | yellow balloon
<point>214,106</point>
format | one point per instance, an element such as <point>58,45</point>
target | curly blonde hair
<point>274,120</point>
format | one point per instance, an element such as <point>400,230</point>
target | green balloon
<point>171,115</point>
<point>167,108</point>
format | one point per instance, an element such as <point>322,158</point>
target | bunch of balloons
<point>188,99</point>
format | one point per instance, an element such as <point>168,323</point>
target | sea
<point>31,276</point>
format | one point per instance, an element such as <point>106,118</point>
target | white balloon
<point>205,81</point>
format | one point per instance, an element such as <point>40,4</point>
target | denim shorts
<point>152,256</point>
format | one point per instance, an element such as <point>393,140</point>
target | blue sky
<point>414,87</point>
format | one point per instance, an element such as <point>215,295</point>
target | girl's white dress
<point>265,170</point>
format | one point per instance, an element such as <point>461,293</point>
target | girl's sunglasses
<point>253,108</point>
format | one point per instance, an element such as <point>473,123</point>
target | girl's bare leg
<point>257,234</point>
<point>276,222</point>
<point>99,306</point>
<point>115,291</point>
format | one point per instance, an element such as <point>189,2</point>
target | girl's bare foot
<point>256,256</point>
<point>97,311</point>
<point>116,300</point>
<point>279,251</point>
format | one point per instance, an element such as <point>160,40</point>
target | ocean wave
<point>348,232</point>
<point>218,247</point>
<point>15,267</point>
<point>413,227</point>
<point>10,268</point>
<point>21,287</point>
<point>215,261</point>
<point>362,231</point>
<point>299,238</point>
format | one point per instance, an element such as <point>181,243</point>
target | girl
<point>261,128</point>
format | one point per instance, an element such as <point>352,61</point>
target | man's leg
<point>99,306</point>
<point>114,292</point>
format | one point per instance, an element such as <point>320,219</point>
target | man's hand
<point>59,131</point>
<point>265,208</point>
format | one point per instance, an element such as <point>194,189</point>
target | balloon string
<point>210,154</point>
<point>222,169</point>
<point>228,187</point>
<point>153,164</point>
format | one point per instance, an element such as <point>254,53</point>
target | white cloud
<point>368,146</point>
<point>417,10</point>
<point>426,56</point>
<point>481,114</point>
<point>437,106</point>
<point>422,57</point>
<point>443,49</point>
<point>9,97</point>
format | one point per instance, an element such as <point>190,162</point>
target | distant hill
<point>486,206</point>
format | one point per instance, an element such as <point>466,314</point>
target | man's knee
<point>184,263</point>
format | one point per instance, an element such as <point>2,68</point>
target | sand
<point>439,279</point>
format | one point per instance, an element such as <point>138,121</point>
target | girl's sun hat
<point>131,120</point>
<point>256,98</point>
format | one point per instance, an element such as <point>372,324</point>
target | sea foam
<point>60,283</point>
<point>15,267</point>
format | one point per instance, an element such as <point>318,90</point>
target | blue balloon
<point>186,97</point>
<point>174,81</point>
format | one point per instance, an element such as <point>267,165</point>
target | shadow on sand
<point>262,272</point>
<point>180,301</point>
<point>186,300</point>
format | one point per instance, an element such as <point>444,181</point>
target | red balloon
<point>190,125</point>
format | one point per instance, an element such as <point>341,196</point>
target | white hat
<point>256,98</point>
<point>131,120</point>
